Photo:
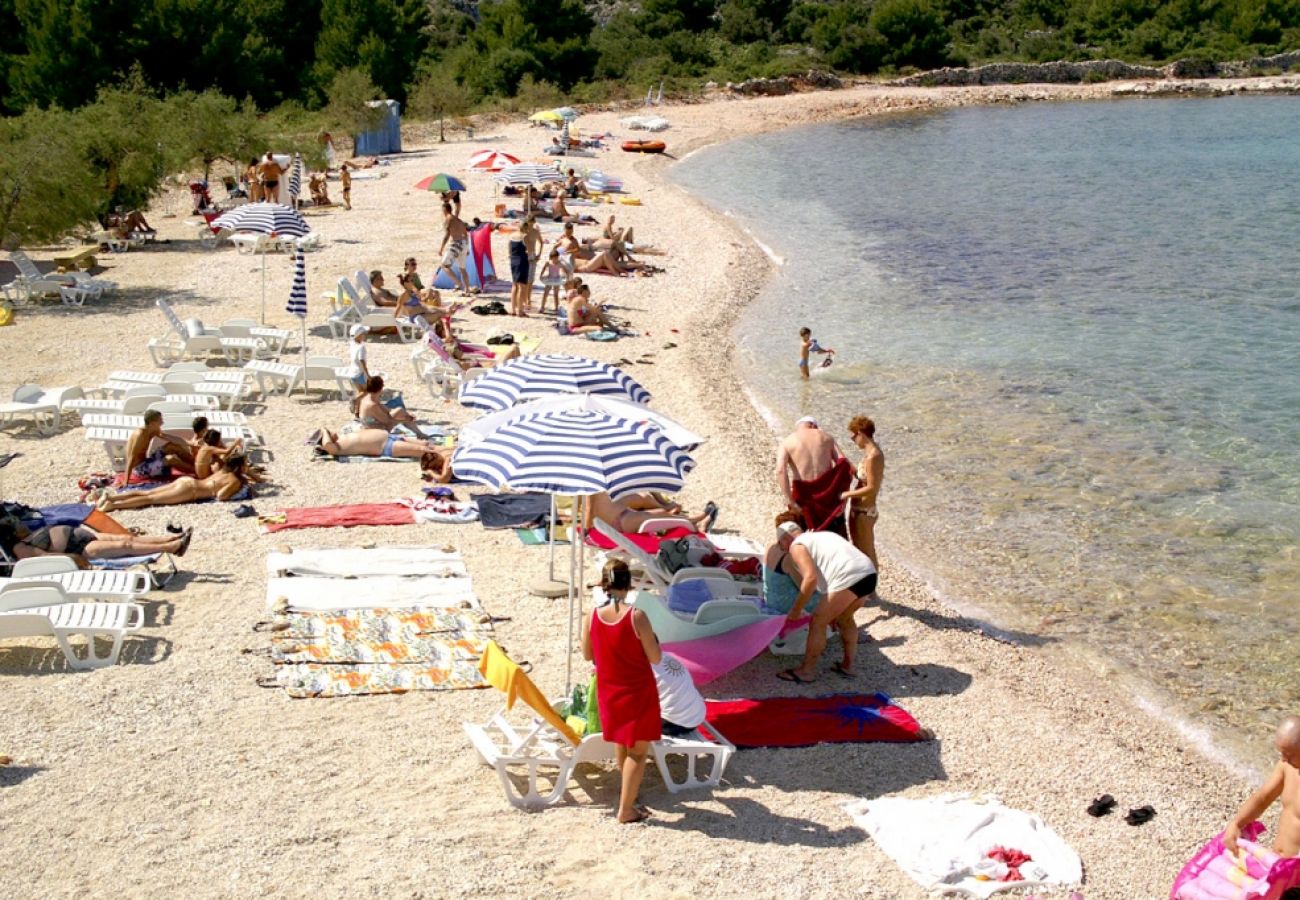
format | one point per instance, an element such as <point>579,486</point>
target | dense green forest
<point>60,52</point>
<point>102,98</point>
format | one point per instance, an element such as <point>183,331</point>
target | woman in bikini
<point>373,413</point>
<point>82,544</point>
<point>220,485</point>
<point>861,500</point>
<point>628,514</point>
<point>410,302</point>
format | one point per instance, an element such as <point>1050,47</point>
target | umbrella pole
<point>551,541</point>
<point>304,342</point>
<point>568,659</point>
<point>263,287</point>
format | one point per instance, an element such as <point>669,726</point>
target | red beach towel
<point>805,721</point>
<point>339,516</point>
<point>823,510</point>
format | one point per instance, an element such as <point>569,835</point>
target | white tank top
<point>679,700</point>
<point>839,564</point>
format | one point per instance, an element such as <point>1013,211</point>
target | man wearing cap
<point>813,473</point>
<point>844,575</point>
<point>359,372</point>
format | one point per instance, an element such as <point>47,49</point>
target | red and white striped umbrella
<point>491,161</point>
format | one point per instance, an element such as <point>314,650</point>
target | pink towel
<point>712,657</point>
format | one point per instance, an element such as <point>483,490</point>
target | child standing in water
<point>808,344</point>
<point>619,640</point>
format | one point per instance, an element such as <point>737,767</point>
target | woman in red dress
<point>620,641</point>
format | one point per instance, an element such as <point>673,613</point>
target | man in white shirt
<point>844,575</point>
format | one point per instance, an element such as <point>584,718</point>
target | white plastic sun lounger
<point>39,610</point>
<point>322,594</point>
<point>351,562</point>
<point>78,584</point>
<point>655,578</point>
<point>43,407</point>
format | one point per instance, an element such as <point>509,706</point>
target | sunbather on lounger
<point>629,513</point>
<point>221,485</point>
<point>560,213</point>
<point>82,544</point>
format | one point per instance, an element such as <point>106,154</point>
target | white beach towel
<point>355,562</point>
<point>312,594</point>
<point>942,842</point>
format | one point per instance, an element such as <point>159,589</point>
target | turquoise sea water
<point>1078,329</point>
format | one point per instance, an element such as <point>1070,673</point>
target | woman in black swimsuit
<point>82,543</point>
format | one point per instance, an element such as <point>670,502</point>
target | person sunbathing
<point>380,295</point>
<point>229,480</point>
<point>212,452</point>
<point>560,213</point>
<point>151,452</point>
<point>584,316</point>
<point>373,413</point>
<point>375,442</point>
<point>446,345</point>
<point>410,302</point>
<point>82,544</point>
<point>613,261</point>
<point>630,512</point>
<point>574,186</point>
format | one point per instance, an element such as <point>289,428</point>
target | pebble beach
<point>175,773</point>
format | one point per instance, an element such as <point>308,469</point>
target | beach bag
<point>684,552</point>
<point>6,313</point>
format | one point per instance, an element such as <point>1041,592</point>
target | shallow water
<point>1077,327</point>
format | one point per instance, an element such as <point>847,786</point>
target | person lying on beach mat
<point>227,483</point>
<point>382,444</point>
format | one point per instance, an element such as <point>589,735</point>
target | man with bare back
<point>812,473</point>
<point>454,247</point>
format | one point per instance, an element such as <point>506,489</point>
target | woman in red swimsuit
<point>620,641</point>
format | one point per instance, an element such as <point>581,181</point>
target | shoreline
<point>240,790</point>
<point>1240,759</point>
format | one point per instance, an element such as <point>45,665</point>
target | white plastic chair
<point>77,584</point>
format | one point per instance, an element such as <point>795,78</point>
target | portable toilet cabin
<point>386,137</point>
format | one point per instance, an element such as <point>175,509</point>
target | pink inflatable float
<point>1256,874</point>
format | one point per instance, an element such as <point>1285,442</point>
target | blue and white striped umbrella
<point>264,218</point>
<point>295,177</point>
<point>297,305</point>
<point>575,452</point>
<point>530,377</point>
<point>527,173</point>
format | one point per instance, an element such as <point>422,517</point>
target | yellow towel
<point>504,674</point>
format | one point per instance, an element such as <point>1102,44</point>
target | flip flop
<point>1141,815</point>
<point>792,676</point>
<point>641,816</point>
<point>185,542</point>
<point>1101,806</point>
<point>711,514</point>
<point>839,670</point>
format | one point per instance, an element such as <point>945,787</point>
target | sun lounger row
<point>355,306</point>
<point>236,341</point>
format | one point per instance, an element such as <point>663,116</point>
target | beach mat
<point>341,516</point>
<point>306,593</point>
<point>436,637</point>
<point>806,721</point>
<point>303,680</point>
<point>361,562</point>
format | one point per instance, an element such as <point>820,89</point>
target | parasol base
<point>550,589</point>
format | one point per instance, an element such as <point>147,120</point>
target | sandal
<point>792,676</point>
<point>1141,815</point>
<point>711,516</point>
<point>839,670</point>
<point>1101,806</point>
<point>185,542</point>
